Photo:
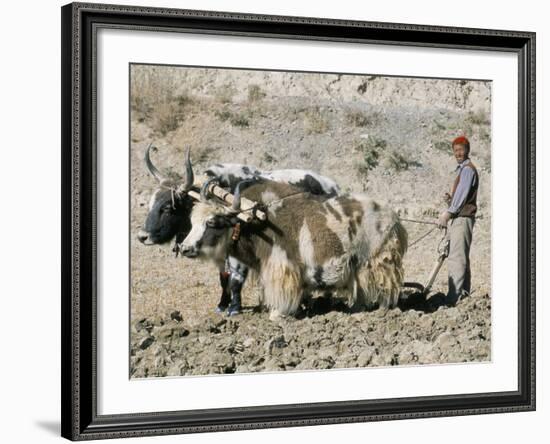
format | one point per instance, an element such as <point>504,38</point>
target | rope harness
<point>424,222</point>
<point>173,196</point>
<point>236,233</point>
<point>422,237</point>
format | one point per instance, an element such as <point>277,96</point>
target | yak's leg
<point>225,298</point>
<point>282,284</point>
<point>356,294</point>
<point>261,297</point>
<point>367,291</point>
<point>382,280</point>
<point>237,277</point>
<point>283,299</point>
<point>307,300</point>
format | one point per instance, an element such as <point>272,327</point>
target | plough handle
<point>443,253</point>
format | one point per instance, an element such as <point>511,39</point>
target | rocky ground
<point>326,337</point>
<point>387,137</point>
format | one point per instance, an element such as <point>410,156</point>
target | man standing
<point>460,216</point>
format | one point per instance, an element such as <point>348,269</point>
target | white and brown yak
<point>348,244</point>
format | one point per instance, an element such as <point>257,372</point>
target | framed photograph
<point>279,221</point>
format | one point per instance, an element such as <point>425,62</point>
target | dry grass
<point>357,118</point>
<point>443,145</point>
<point>478,117</point>
<point>157,99</point>
<point>167,117</point>
<point>255,93</point>
<point>225,94</point>
<point>315,121</point>
<point>268,158</point>
<point>396,161</point>
<point>371,150</point>
<point>234,118</point>
<point>476,125</point>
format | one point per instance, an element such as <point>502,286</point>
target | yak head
<point>214,226</point>
<point>170,206</point>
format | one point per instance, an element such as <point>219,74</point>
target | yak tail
<point>379,281</point>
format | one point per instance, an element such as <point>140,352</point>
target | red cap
<point>461,140</point>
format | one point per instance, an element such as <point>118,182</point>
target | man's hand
<point>444,218</point>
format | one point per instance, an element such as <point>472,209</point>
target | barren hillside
<point>387,137</point>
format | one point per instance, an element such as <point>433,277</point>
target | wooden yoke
<point>247,212</point>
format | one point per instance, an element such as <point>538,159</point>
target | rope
<point>418,221</point>
<point>422,237</point>
<point>275,201</point>
<point>424,222</point>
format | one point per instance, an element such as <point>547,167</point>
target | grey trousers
<point>460,235</point>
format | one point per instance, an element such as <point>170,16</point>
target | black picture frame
<point>80,420</point>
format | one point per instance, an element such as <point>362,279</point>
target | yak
<point>347,243</point>
<point>170,206</point>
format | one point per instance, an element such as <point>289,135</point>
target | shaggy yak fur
<point>348,244</point>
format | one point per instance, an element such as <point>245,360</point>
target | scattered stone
<point>164,333</point>
<point>307,364</point>
<point>378,360</point>
<point>146,342</point>
<point>219,362</point>
<point>177,370</point>
<point>143,325</point>
<point>243,368</point>
<point>277,342</point>
<point>204,340</point>
<point>346,361</point>
<point>176,316</point>
<point>273,365</point>
<point>425,322</point>
<point>158,321</point>
<point>225,342</point>
<point>365,357</point>
<point>446,341</point>
<point>180,332</point>
<point>328,353</point>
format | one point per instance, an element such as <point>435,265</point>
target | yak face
<point>166,218</point>
<point>210,234</point>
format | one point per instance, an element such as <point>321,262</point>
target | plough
<point>443,253</point>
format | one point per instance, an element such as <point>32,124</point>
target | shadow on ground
<point>409,300</point>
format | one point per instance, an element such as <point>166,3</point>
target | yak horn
<point>152,169</point>
<point>204,189</point>
<point>236,205</point>
<point>189,175</point>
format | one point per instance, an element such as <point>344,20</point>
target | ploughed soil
<point>324,337</point>
<point>386,137</point>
